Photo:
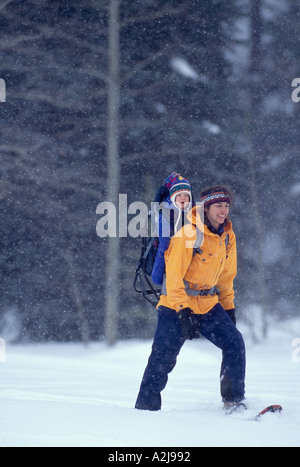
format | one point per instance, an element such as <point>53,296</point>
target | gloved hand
<point>162,194</point>
<point>189,325</point>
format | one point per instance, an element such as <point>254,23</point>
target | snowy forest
<point>108,97</point>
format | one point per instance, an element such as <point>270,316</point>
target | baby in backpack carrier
<point>176,199</point>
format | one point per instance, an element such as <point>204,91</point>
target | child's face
<point>182,200</point>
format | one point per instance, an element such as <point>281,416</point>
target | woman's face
<point>217,213</point>
<point>182,200</point>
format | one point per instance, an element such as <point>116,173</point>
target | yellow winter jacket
<point>215,266</point>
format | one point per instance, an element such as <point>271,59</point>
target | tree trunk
<point>113,171</point>
<point>74,289</point>
<point>256,31</point>
<point>254,117</point>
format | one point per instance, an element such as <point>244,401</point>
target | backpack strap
<point>227,241</point>
<point>198,242</point>
<point>149,246</point>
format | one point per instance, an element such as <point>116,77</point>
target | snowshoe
<point>234,407</point>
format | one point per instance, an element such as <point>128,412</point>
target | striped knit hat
<point>179,185</point>
<point>216,197</point>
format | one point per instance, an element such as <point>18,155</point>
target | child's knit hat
<point>176,185</point>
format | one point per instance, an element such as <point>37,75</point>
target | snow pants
<point>219,329</point>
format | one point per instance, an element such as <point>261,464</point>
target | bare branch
<point>144,63</point>
<point>166,11</point>
<point>58,101</point>
<point>4,3</point>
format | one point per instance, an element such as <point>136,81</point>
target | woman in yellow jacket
<point>199,299</point>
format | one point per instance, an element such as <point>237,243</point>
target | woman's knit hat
<point>217,194</point>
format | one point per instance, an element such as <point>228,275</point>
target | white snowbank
<point>67,395</point>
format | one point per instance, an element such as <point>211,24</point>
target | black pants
<point>218,328</point>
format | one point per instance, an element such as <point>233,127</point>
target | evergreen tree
<point>185,90</point>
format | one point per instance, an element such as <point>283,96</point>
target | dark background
<point>205,90</point>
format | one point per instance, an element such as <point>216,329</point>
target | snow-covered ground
<point>69,395</point>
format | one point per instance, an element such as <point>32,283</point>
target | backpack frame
<point>142,283</point>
